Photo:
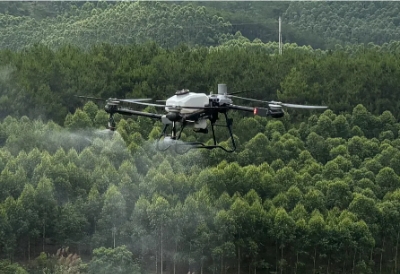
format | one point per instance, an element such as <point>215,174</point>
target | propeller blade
<point>248,99</point>
<point>303,106</point>
<point>116,100</point>
<point>90,97</point>
<point>277,104</point>
<point>242,91</point>
<point>133,101</point>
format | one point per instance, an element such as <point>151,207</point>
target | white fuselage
<point>177,103</point>
<point>189,99</point>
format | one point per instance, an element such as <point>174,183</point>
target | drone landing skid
<point>176,142</point>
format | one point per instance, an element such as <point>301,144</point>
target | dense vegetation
<point>347,22</point>
<point>312,192</point>
<point>319,24</point>
<point>41,81</point>
<point>307,192</point>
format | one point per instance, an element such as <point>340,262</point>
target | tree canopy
<point>311,192</point>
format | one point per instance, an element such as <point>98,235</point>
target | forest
<point>319,24</point>
<point>312,192</point>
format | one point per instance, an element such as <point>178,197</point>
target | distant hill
<point>347,22</point>
<point>209,23</point>
<point>319,24</point>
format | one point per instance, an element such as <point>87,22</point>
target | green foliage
<point>120,23</point>
<point>352,22</point>
<point>299,188</point>
<point>310,191</point>
<point>118,260</point>
<point>7,267</point>
<point>321,25</point>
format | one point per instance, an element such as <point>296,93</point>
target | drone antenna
<point>222,89</point>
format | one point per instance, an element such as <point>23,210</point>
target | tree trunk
<point>315,259</point>
<point>396,254</point>
<point>297,262</point>
<point>354,259</point>
<point>113,235</point>
<point>344,261</point>
<point>161,252</point>
<point>222,264</point>
<point>382,250</point>
<point>176,251</point>
<point>239,260</point>
<point>371,255</point>
<point>29,249</point>
<point>282,259</point>
<point>44,233</point>
<point>276,254</point>
<point>329,261</point>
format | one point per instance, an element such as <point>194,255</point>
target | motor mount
<point>173,116</point>
<point>276,113</point>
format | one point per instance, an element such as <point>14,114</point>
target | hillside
<point>312,192</point>
<point>318,24</point>
<point>350,22</point>
<point>123,23</point>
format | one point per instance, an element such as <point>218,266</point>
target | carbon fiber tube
<point>263,112</point>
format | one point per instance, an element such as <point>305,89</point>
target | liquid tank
<point>186,98</point>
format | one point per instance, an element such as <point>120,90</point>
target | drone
<point>191,109</point>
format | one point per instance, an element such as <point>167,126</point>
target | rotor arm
<point>248,109</point>
<point>264,112</point>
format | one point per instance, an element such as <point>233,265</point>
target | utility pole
<point>280,35</point>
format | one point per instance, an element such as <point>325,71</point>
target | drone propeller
<point>134,100</point>
<point>89,97</point>
<point>114,100</point>
<point>299,106</point>
<point>248,99</point>
<point>278,104</point>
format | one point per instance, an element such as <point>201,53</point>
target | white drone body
<point>184,98</point>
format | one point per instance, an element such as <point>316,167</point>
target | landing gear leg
<point>111,123</point>
<point>191,145</point>
<point>159,138</point>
